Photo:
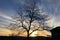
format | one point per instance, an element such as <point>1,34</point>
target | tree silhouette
<point>32,14</point>
<point>29,14</point>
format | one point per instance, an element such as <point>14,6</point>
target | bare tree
<point>30,14</point>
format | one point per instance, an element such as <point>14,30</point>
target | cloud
<point>4,16</point>
<point>52,7</point>
<point>53,22</point>
<point>7,18</point>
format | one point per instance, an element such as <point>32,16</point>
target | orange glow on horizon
<point>6,32</point>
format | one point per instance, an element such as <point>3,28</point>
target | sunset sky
<point>8,11</point>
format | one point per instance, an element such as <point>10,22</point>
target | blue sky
<point>7,10</point>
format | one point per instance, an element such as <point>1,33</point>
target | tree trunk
<point>28,35</point>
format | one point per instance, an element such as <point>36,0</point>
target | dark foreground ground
<point>23,38</point>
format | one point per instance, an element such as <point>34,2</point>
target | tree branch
<point>33,31</point>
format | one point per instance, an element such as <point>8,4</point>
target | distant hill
<point>56,30</point>
<point>56,33</point>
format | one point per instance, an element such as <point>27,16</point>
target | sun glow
<point>34,34</point>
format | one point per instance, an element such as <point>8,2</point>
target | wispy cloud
<point>51,7</point>
<point>9,19</point>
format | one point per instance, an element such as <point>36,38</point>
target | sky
<point>8,11</point>
<point>7,32</point>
